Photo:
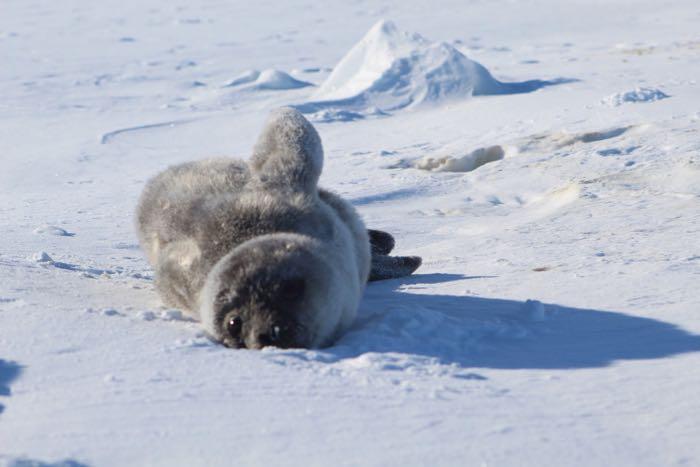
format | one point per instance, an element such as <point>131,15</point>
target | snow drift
<point>464,163</point>
<point>391,69</point>
<point>266,80</point>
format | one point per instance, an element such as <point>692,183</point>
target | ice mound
<point>266,80</point>
<point>636,95</point>
<point>391,69</point>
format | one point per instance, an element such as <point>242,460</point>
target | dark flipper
<point>391,267</point>
<point>381,242</point>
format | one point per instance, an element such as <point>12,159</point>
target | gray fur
<point>391,267</point>
<point>381,243</point>
<point>260,242</point>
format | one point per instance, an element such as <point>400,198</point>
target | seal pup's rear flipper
<point>288,154</point>
<point>380,242</point>
<point>391,267</point>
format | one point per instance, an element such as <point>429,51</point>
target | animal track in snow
<point>11,302</point>
<point>495,215</point>
<point>45,260</point>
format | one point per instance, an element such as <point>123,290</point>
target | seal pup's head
<point>274,290</point>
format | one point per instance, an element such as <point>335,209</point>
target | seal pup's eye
<point>234,326</point>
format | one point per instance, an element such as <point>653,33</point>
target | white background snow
<point>592,214</point>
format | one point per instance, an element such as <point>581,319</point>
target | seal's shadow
<point>27,462</point>
<point>9,371</point>
<point>494,333</point>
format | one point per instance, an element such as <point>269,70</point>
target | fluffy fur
<point>257,251</point>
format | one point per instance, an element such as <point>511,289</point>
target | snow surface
<point>554,320</point>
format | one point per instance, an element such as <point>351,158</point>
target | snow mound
<point>635,96</point>
<point>41,257</point>
<point>466,163</point>
<point>246,77</point>
<point>275,79</point>
<point>267,80</point>
<point>391,69</point>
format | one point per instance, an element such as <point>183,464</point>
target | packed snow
<point>524,150</point>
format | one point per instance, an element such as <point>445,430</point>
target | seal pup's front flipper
<point>391,267</point>
<point>380,242</point>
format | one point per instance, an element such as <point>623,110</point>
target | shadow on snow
<point>26,462</point>
<point>493,333</point>
<point>9,371</point>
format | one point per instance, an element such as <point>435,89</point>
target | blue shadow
<point>9,371</point>
<point>480,332</point>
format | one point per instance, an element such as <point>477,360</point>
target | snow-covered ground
<point>581,196</point>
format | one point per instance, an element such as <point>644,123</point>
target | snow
<point>266,80</point>
<point>553,322</point>
<point>246,77</point>
<point>389,69</point>
<point>272,80</point>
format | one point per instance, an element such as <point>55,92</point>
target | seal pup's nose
<point>271,337</point>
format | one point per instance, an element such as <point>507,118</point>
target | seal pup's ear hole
<point>291,289</point>
<point>380,242</point>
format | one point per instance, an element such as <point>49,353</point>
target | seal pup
<point>257,251</point>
